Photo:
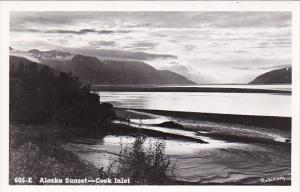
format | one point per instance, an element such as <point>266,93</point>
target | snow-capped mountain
<point>50,55</point>
<point>43,57</point>
<point>95,71</point>
<point>18,53</point>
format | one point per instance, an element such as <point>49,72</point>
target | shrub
<point>45,160</point>
<point>151,166</point>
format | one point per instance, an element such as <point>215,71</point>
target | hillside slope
<point>283,75</point>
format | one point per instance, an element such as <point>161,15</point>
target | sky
<point>207,47</point>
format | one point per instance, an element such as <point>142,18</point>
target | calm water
<point>218,161</point>
<point>284,87</point>
<point>268,104</point>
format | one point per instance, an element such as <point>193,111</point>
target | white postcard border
<point>7,7</point>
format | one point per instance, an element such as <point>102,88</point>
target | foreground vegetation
<point>144,166</point>
<point>32,155</point>
<point>41,95</point>
<point>48,107</point>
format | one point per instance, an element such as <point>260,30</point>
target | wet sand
<point>232,153</point>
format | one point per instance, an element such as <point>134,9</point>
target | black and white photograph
<point>200,98</point>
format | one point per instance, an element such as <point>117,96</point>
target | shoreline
<point>250,120</point>
<point>126,88</point>
<point>118,130</point>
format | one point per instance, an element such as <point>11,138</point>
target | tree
<point>38,95</point>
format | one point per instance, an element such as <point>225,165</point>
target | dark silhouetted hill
<point>40,94</point>
<point>112,72</point>
<point>283,75</point>
<point>109,72</point>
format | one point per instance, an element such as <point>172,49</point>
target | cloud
<point>271,67</point>
<point>103,43</point>
<point>148,45</point>
<point>119,54</point>
<point>177,67</point>
<point>65,31</point>
<point>190,73</point>
<point>242,68</point>
<point>134,20</point>
<point>226,47</point>
<point>275,44</point>
<point>30,44</point>
<point>242,63</point>
<point>252,19</point>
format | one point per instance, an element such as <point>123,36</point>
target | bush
<point>50,161</point>
<point>151,166</point>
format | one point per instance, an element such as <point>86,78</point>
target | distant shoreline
<point>251,120</point>
<point>125,88</point>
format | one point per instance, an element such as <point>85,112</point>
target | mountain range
<point>104,72</point>
<point>99,71</point>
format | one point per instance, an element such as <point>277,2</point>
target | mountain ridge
<point>92,70</point>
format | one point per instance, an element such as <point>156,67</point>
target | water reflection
<point>217,162</point>
<point>226,103</point>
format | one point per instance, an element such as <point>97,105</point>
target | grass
<point>37,152</point>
